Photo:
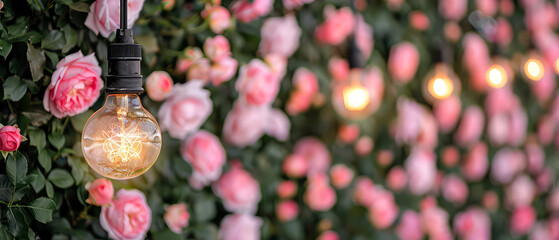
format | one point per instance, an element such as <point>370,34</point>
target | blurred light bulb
<point>122,139</point>
<point>496,76</point>
<point>533,69</point>
<point>440,87</point>
<point>356,97</point>
<point>557,66</point>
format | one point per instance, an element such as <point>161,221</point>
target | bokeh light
<point>533,69</point>
<point>496,76</point>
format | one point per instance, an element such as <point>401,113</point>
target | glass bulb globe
<point>122,139</point>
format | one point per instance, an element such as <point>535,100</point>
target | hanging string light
<point>122,139</point>
<point>534,69</point>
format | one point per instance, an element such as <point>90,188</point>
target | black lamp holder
<point>124,59</point>
<point>355,58</point>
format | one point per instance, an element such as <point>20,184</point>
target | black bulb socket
<point>124,65</point>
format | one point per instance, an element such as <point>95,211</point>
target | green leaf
<point>61,178</point>
<point>53,41</point>
<point>39,183</point>
<point>77,169</point>
<point>14,88</point>
<point>71,37</point>
<point>53,57</point>
<point>17,222</point>
<point>16,168</point>
<point>36,5</point>
<point>57,140</point>
<point>148,42</point>
<point>49,189</point>
<point>204,208</point>
<point>45,160</point>
<point>42,209</point>
<point>22,123</point>
<point>21,192</point>
<point>33,88</point>
<point>79,6</point>
<point>36,58</point>
<point>37,116</point>
<point>5,48</point>
<point>6,188</point>
<point>37,138</point>
<point>79,121</point>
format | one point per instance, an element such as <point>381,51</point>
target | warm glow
<point>440,87</point>
<point>496,76</point>
<point>356,97</point>
<point>533,69</point>
<point>122,145</point>
<point>557,66</point>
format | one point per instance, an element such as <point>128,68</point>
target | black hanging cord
<point>355,57</point>
<point>123,14</point>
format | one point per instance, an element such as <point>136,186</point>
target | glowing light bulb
<point>533,69</point>
<point>356,97</point>
<point>440,87</point>
<point>121,140</point>
<point>557,66</point>
<point>496,76</point>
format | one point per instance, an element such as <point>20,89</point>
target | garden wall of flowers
<point>448,130</point>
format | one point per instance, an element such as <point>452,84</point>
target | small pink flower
<point>278,125</point>
<point>75,85</point>
<point>341,176</point>
<point>291,4</point>
<point>257,84</point>
<point>277,63</point>
<point>104,18</point>
<point>127,217</point>
<point>506,7</point>
<point>306,86</point>
<point>287,210</point>
<point>218,18</point>
<point>244,125</point>
<point>396,179</point>
<point>521,192</point>
<point>159,85</point>
<point>316,154</point>
<point>186,108</point>
<point>364,146</point>
<point>10,138</point>
<point>168,4</point>
<point>295,165</point>
<point>473,224</point>
<point>450,156</point>
<point>546,129</point>
<point>487,7</point>
<point>454,189</point>
<point>437,219</point>
<point>338,68</point>
<point>419,20</point>
<point>452,31</point>
<point>410,227</point>
<point>240,227</point>
<point>421,169</point>
<point>415,124</point>
<point>364,191</point>
<point>189,56</point>
<point>503,32</point>
<point>287,189</point>
<point>403,62</point>
<point>319,195</point>
<point>246,11</point>
<point>471,127</point>
<point>475,165</point>
<point>328,235</point>
<point>338,25</point>
<point>522,220</point>
<point>239,191</point>
<point>383,210</point>
<point>476,59</point>
<point>385,157</point>
<point>203,151</point>
<point>453,9</point>
<point>217,48</point>
<point>447,112</point>
<point>101,192</point>
<point>279,35</point>
<point>506,164</point>
<point>176,217</point>
<point>199,70</point>
<point>348,133</point>
<point>223,70</point>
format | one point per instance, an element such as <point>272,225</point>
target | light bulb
<point>440,83</point>
<point>557,66</point>
<point>533,69</point>
<point>122,139</point>
<point>356,97</point>
<point>496,76</point>
<point>440,87</point>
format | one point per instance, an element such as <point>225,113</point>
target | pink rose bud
<point>471,127</point>
<point>506,7</point>
<point>383,211</point>
<point>246,11</point>
<point>287,210</point>
<point>277,63</point>
<point>319,196</point>
<point>452,31</point>
<point>341,176</point>
<point>348,133</point>
<point>128,216</point>
<point>306,86</point>
<point>189,56</point>
<point>217,48</point>
<point>364,146</point>
<point>75,85</point>
<point>240,226</point>
<point>453,9</point>
<point>292,4</point>
<point>506,164</point>
<point>159,85</point>
<point>315,153</point>
<point>257,84</point>
<point>447,112</point>
<point>385,157</point>
<point>450,156</point>
<point>338,25</point>
<point>280,35</point>
<point>203,151</point>
<point>239,191</point>
<point>487,7</point>
<point>396,179</point>
<point>522,220</point>
<point>223,70</point>
<point>338,68</point>
<point>364,37</point>
<point>168,4</point>
<point>10,138</point>
<point>474,223</point>
<point>218,18</point>
<point>475,165</point>
<point>287,189</point>
<point>410,227</point>
<point>521,192</point>
<point>100,192</point>
<point>328,235</point>
<point>244,124</point>
<point>454,189</point>
<point>278,125</point>
<point>421,169</point>
<point>403,62</point>
<point>104,16</point>
<point>199,70</point>
<point>364,193</point>
<point>177,217</point>
<point>295,165</point>
<point>419,20</point>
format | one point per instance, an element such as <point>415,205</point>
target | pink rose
<point>278,125</point>
<point>522,220</point>
<point>100,192</point>
<point>189,56</point>
<point>316,154</point>
<point>364,193</point>
<point>240,227</point>
<point>295,165</point>
<point>218,18</point>
<point>104,18</point>
<point>447,112</point>
<point>199,70</point>
<point>280,36</point>
<point>476,59</point>
<point>348,133</point>
<point>383,210</point>
<point>396,179</point>
<point>453,9</point>
<point>490,200</point>
<point>521,192</point>
<point>364,146</point>
<point>454,189</point>
<point>403,62</point>
<point>506,164</point>
<point>168,4</point>
<point>450,156</point>
<point>546,129</point>
<point>338,25</point>
<point>246,11</point>
<point>409,227</point>
<point>306,86</point>
<point>287,210</point>
<point>421,169</point>
<point>338,68</point>
<point>328,235</point>
<point>257,84</point>
<point>475,165</point>
<point>203,151</point>
<point>341,176</point>
<point>244,125</point>
<point>437,219</point>
<point>127,217</point>
<point>74,86</point>
<point>186,108</point>
<point>473,224</point>
<point>287,189</point>
<point>291,4</point>
<point>176,217</point>
<point>419,20</point>
<point>500,101</point>
<point>553,200</point>
<point>364,37</point>
<point>277,63</point>
<point>385,157</point>
<point>159,85</point>
<point>487,7</point>
<point>319,195</point>
<point>506,7</point>
<point>415,124</point>
<point>10,138</point>
<point>503,32</point>
<point>239,191</point>
<point>217,48</point>
<point>452,31</point>
<point>471,127</point>
<point>223,70</point>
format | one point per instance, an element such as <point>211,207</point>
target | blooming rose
<point>453,9</point>
<point>306,86</point>
<point>177,217</point>
<point>473,224</point>
<point>277,63</point>
<point>189,56</point>
<point>364,145</point>
<point>280,35</point>
<point>383,209</point>
<point>104,18</point>
<point>385,157</point>
<point>521,192</point>
<point>452,31</point>
<point>347,133</point>
<point>475,165</point>
<point>246,11</point>
<point>159,85</point>
<point>217,48</point>
<point>186,108</point>
<point>287,189</point>
<point>316,154</point>
<point>506,164</point>
<point>476,59</point>
<point>447,112</point>
<point>223,70</point>
<point>10,138</point>
<point>199,70</point>
<point>522,220</point>
<point>338,68</point>
<point>415,124</point>
<point>535,156</point>
<point>278,125</point>
<point>74,86</point>
<point>450,156</point>
<point>203,151</point>
<point>410,226</point>
<point>454,189</point>
<point>341,176</point>
<point>291,4</point>
<point>218,18</point>
<point>244,124</point>
<point>295,165</point>
<point>257,84</point>
<point>240,227</point>
<point>127,217</point>
<point>364,37</point>
<point>396,179</point>
<point>403,62</point>
<point>239,191</point>
<point>421,169</point>
<point>490,200</point>
<point>319,195</point>
<point>328,235</point>
<point>419,20</point>
<point>287,210</point>
<point>471,127</point>
<point>100,192</point>
<point>437,219</point>
<point>338,25</point>
<point>364,191</point>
